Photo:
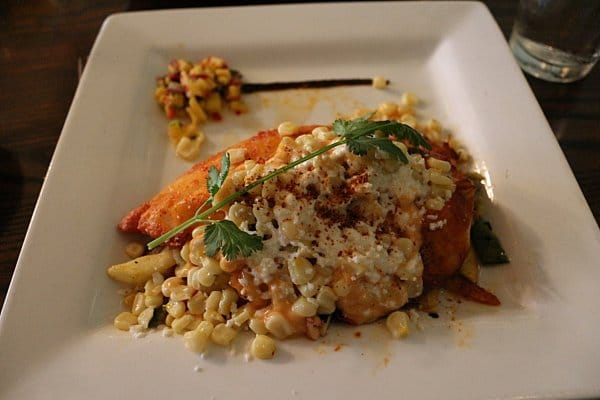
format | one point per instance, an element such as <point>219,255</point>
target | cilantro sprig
<point>360,135</point>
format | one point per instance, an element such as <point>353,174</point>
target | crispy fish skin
<point>445,249</point>
<point>179,201</point>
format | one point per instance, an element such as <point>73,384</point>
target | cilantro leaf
<point>359,135</point>
<point>215,178</point>
<point>224,235</point>
<point>404,132</point>
<point>362,144</point>
<point>345,127</point>
<point>363,128</point>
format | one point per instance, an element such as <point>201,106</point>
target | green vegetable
<point>358,135</point>
<point>232,241</point>
<point>486,244</point>
<point>158,317</point>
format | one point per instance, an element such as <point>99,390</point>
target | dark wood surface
<point>43,43</point>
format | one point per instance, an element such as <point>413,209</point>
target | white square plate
<point>56,338</point>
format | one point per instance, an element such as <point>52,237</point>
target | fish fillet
<point>179,201</point>
<point>443,250</point>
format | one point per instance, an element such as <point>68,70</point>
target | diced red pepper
<point>170,111</point>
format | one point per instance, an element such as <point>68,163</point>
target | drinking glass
<point>557,40</point>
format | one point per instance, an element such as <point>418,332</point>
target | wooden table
<point>43,45</point>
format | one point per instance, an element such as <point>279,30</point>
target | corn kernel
<point>387,108</point>
<point>257,325</point>
<point>213,316</point>
<point>138,304</point>
<point>145,317</point>
<point>223,335</point>
<point>341,288</point>
<point>241,316</point>
<point>402,147</point>
<point>230,266</point>
<point>379,82</point>
<point>125,320</point>
<point>409,120</point>
<point>170,283</point>
<point>323,133</point>
<point>287,128</point>
<point>233,92</point>
<point>204,277</point>
<point>238,107</point>
<point>226,190</point>
<point>196,304</point>
<point>326,299</point>
<point>441,180</point>
<point>269,189</point>
<point>180,293</point>
<point>196,249</point>
<point>301,270</point>
<point>216,62</point>
<point>223,75</point>
<point>188,149</point>
<point>198,339</point>
<point>277,325</point>
<point>157,279</point>
<point>405,245</point>
<point>153,301</point>
<point>236,155</point>
<point>213,300</point>
<point>440,165</point>
<point>308,142</point>
<point>309,289</point>
<point>434,125</point>
<point>185,252</point>
<point>239,213</point>
<point>150,287</point>
<point>397,324</point>
<point>128,300</point>
<point>198,232</point>
<point>175,308</point>
<point>290,230</point>
<point>180,324</point>
<point>211,265</point>
<point>305,307</point>
<point>134,250</point>
<point>228,298</point>
<point>409,99</point>
<point>263,347</point>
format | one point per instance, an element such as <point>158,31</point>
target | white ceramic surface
<point>56,338</point>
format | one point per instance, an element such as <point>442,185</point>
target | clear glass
<point>557,40</point>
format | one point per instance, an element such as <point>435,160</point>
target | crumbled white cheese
<point>340,209</point>
<point>138,331</point>
<point>437,225</point>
